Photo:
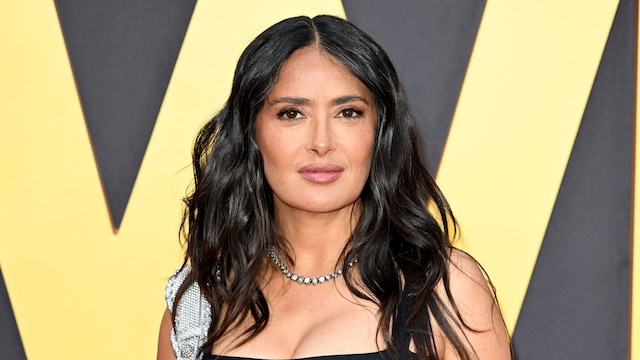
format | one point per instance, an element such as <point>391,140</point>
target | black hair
<point>400,246</point>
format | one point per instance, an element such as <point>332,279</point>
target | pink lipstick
<point>321,174</point>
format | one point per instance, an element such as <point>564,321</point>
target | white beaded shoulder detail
<point>193,316</point>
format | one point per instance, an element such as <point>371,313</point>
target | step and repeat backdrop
<point>526,112</point>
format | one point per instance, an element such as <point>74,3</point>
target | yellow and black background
<point>526,111</point>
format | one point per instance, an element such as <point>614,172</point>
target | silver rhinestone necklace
<point>306,280</point>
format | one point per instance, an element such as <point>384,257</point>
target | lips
<point>321,174</point>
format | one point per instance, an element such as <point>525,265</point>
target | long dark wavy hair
<point>399,245</point>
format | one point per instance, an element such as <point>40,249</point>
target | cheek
<point>274,159</point>
<point>366,168</point>
<point>362,157</point>
<point>366,151</point>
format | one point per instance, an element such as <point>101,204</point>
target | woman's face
<point>316,132</point>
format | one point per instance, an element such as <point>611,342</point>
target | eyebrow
<point>348,98</point>
<point>304,101</point>
<point>290,100</point>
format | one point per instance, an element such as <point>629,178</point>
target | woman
<point>308,231</point>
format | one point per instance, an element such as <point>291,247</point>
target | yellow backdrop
<point>78,288</point>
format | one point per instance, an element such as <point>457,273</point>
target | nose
<point>321,140</point>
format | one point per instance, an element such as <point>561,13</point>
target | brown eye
<point>291,114</point>
<point>350,113</point>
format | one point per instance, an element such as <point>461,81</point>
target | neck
<point>315,240</point>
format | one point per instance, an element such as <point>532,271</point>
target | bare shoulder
<point>480,320</point>
<point>470,288</point>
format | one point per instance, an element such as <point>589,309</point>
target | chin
<point>319,204</point>
<point>328,207</point>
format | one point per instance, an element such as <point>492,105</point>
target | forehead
<point>314,72</point>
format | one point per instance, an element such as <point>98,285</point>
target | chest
<point>307,321</point>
